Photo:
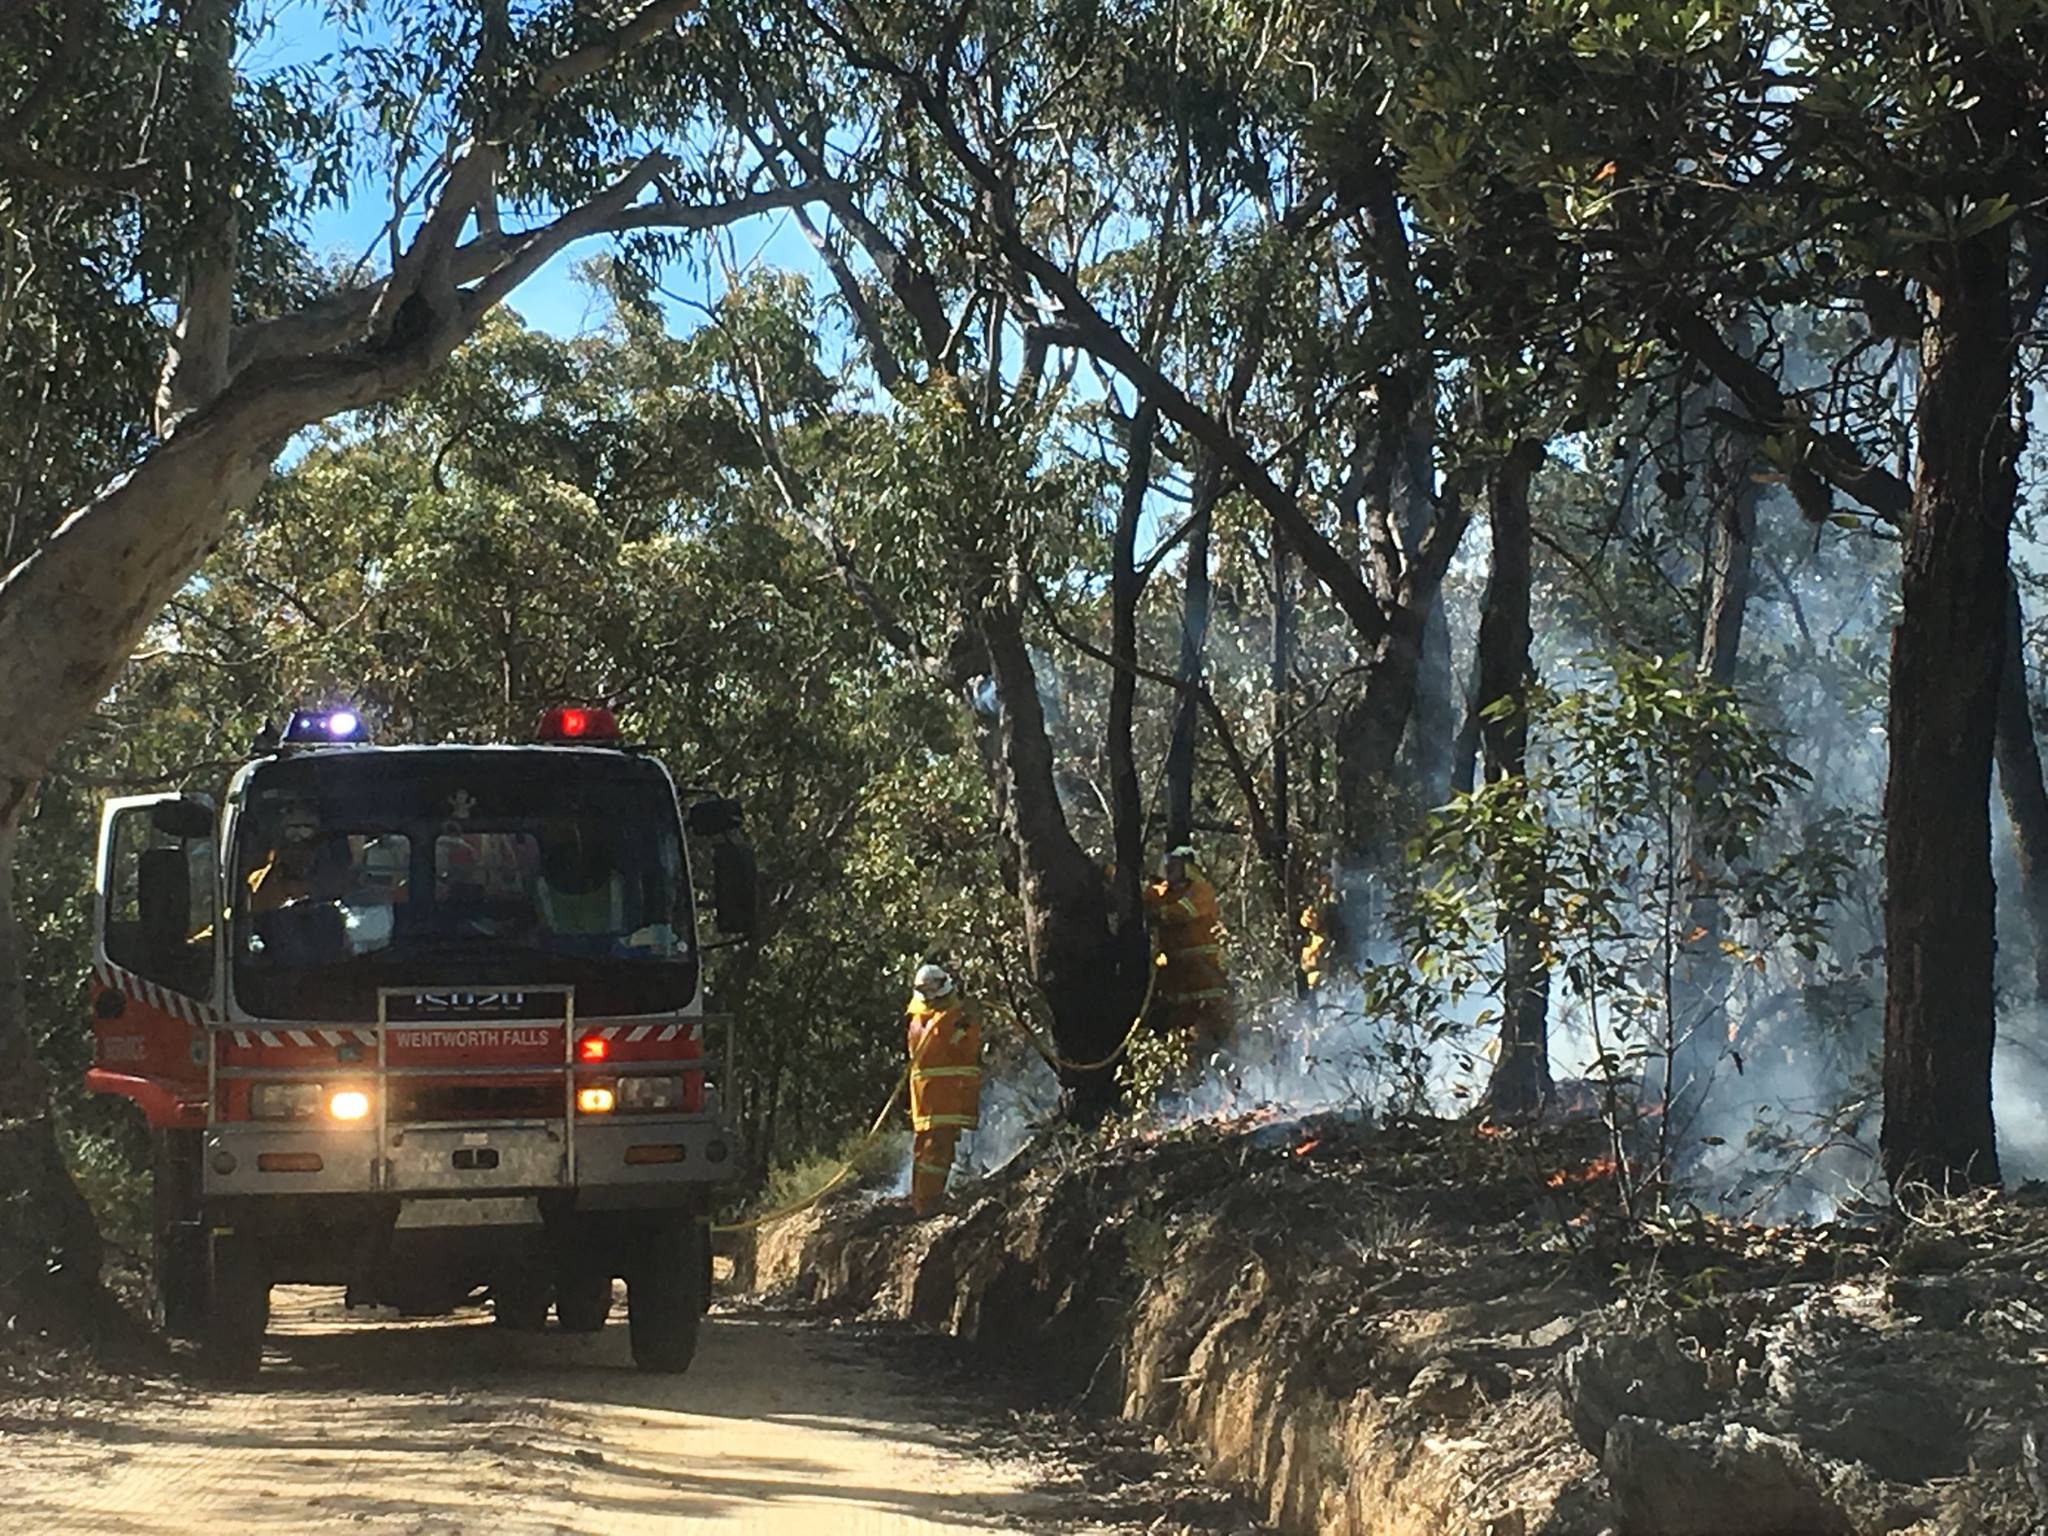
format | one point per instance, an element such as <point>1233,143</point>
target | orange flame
<point>1593,1172</point>
<point>1491,1131</point>
<point>1308,1146</point>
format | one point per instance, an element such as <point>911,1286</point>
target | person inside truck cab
<point>300,865</point>
<point>296,890</point>
<point>579,891</point>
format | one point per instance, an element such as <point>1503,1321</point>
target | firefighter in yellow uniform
<point>945,1080</point>
<point>1313,946</point>
<point>301,865</point>
<point>1193,989</point>
<point>1322,926</point>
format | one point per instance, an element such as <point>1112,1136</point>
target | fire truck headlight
<point>597,1099</point>
<point>349,1104</point>
<point>650,1092</point>
<point>283,1101</point>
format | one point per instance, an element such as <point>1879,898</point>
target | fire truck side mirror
<point>734,881</point>
<point>185,819</point>
<point>715,817</point>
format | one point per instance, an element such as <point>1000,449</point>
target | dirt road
<point>435,1429</point>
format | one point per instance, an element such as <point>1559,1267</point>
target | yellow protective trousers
<point>931,1160</point>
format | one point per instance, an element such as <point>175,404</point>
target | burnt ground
<point>1439,1327</point>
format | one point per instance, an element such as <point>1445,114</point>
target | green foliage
<point>872,1160</point>
<point>1154,1066</point>
<point>1653,800</point>
<point>108,1167</point>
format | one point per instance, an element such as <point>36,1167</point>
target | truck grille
<point>477,1101</point>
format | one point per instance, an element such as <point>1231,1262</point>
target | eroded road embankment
<point>435,1429</point>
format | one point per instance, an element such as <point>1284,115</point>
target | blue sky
<point>298,32</point>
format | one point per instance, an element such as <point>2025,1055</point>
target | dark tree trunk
<point>1733,554</point>
<point>1089,968</point>
<point>1948,654</point>
<point>1127,804</point>
<point>1369,732</point>
<point>1194,639</point>
<point>1701,977</point>
<point>1409,392</point>
<point>1282,682</point>
<point>2026,798</point>
<point>1429,754</point>
<point>1465,750</point>
<point>1378,793</point>
<point>1507,675</point>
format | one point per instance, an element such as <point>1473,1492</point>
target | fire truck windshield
<point>450,866</point>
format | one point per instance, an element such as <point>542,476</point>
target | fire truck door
<point>159,906</point>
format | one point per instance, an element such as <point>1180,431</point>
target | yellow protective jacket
<point>1315,945</point>
<point>1191,938</point>
<point>945,1065</point>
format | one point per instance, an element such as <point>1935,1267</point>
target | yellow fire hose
<point>840,1175</point>
<point>1057,1062</point>
<point>837,1179</point>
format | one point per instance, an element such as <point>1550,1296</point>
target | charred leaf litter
<point>1463,1320</point>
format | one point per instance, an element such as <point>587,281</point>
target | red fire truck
<point>424,1021</point>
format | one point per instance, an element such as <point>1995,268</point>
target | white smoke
<point>2019,1093</point>
<point>1016,1102</point>
<point>1791,1132</point>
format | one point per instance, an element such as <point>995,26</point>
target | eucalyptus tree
<point>1885,162</point>
<point>1008,135</point>
<point>1022,486</point>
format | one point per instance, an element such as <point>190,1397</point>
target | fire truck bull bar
<point>616,1160</point>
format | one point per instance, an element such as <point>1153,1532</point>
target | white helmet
<point>931,981</point>
<point>1182,851</point>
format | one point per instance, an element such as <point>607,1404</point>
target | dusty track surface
<point>435,1429</point>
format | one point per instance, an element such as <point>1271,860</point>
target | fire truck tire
<point>664,1297</point>
<point>177,1239</point>
<point>519,1302</point>
<point>425,1298</point>
<point>237,1310</point>
<point>178,1277</point>
<point>583,1300</point>
<point>704,1244</point>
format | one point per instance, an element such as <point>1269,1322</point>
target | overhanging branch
<point>1239,766</point>
<point>1833,456</point>
<point>1318,555</point>
<point>342,318</point>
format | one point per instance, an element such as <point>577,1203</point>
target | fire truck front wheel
<point>519,1299</point>
<point>583,1299</point>
<point>178,1273</point>
<point>237,1309</point>
<point>177,1236</point>
<point>665,1296</point>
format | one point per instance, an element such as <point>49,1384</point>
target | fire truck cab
<point>424,1021</point>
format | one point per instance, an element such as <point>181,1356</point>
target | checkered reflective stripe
<point>630,1034</point>
<point>247,1037</point>
<point>143,990</point>
<point>633,1034</point>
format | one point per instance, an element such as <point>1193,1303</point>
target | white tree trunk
<point>71,613</point>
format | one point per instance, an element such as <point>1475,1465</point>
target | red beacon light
<point>575,723</point>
